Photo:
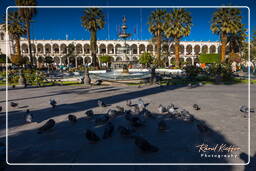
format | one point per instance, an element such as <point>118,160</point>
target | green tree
<point>226,21</point>
<point>156,24</point>
<point>16,29</point>
<point>93,20</point>
<point>106,59</point>
<point>146,59</point>
<point>49,61</point>
<point>27,14</point>
<point>178,25</point>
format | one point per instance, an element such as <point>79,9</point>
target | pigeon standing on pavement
<point>47,126</point>
<point>196,107</point>
<point>91,136</point>
<point>144,145</point>
<point>120,109</point>
<point>161,109</point>
<point>72,118</point>
<point>141,104</point>
<point>129,103</point>
<point>89,113</point>
<point>1,108</point>
<point>101,104</point>
<point>53,103</point>
<point>28,116</point>
<point>13,104</point>
<point>109,129</point>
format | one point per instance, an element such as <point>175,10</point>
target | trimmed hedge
<point>209,58</point>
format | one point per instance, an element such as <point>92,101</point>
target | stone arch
<point>118,58</point>
<point>110,48</point>
<point>189,61</point>
<point>24,48</point>
<point>26,59</point>
<point>150,48</point>
<point>79,48</point>
<point>205,49</point>
<point>63,48</point>
<point>56,60</point>
<point>197,49</point>
<point>79,60</point>
<point>40,59</point>
<point>64,60</point>
<point>134,58</point>
<point>165,48</point>
<point>40,48</point>
<point>172,61</point>
<point>1,36</point>
<point>134,49</point>
<point>172,49</point>
<point>189,49</point>
<point>47,48</point>
<point>212,49</point>
<point>86,48</point>
<point>33,48</point>
<point>103,49</point>
<point>182,48</point>
<point>55,48</point>
<point>87,60</point>
<point>116,48</point>
<point>141,48</point>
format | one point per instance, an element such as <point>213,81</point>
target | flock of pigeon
<point>135,114</point>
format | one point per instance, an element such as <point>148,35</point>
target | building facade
<point>58,49</point>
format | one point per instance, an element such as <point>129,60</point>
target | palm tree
<point>236,40</point>
<point>93,20</point>
<point>156,27</point>
<point>178,25</point>
<point>16,29</point>
<point>226,21</point>
<point>27,14</point>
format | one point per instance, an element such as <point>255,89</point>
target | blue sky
<point>56,23</point>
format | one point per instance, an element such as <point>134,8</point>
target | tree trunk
<point>177,53</point>
<point>158,45</point>
<point>18,52</point>
<point>29,42</point>
<point>93,44</point>
<point>223,46</point>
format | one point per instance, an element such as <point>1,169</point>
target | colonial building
<point>57,49</point>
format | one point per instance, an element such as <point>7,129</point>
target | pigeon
<point>136,109</point>
<point>245,109</point>
<point>120,109</point>
<point>161,109</point>
<point>53,103</point>
<point>186,116</point>
<point>47,126</point>
<point>202,128</point>
<point>101,104</point>
<point>72,118</point>
<point>125,132</point>
<point>162,125</point>
<point>13,104</point>
<point>112,113</point>
<point>171,110</point>
<point>28,116</point>
<point>13,86</point>
<point>144,145</point>
<point>196,107</point>
<point>129,103</point>
<point>200,84</point>
<point>91,136</point>
<point>98,82</point>
<point>89,113</point>
<point>141,104</point>
<point>109,129</point>
<point>1,108</point>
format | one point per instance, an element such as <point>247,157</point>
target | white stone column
<point>76,61</point>
<point>83,60</point>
